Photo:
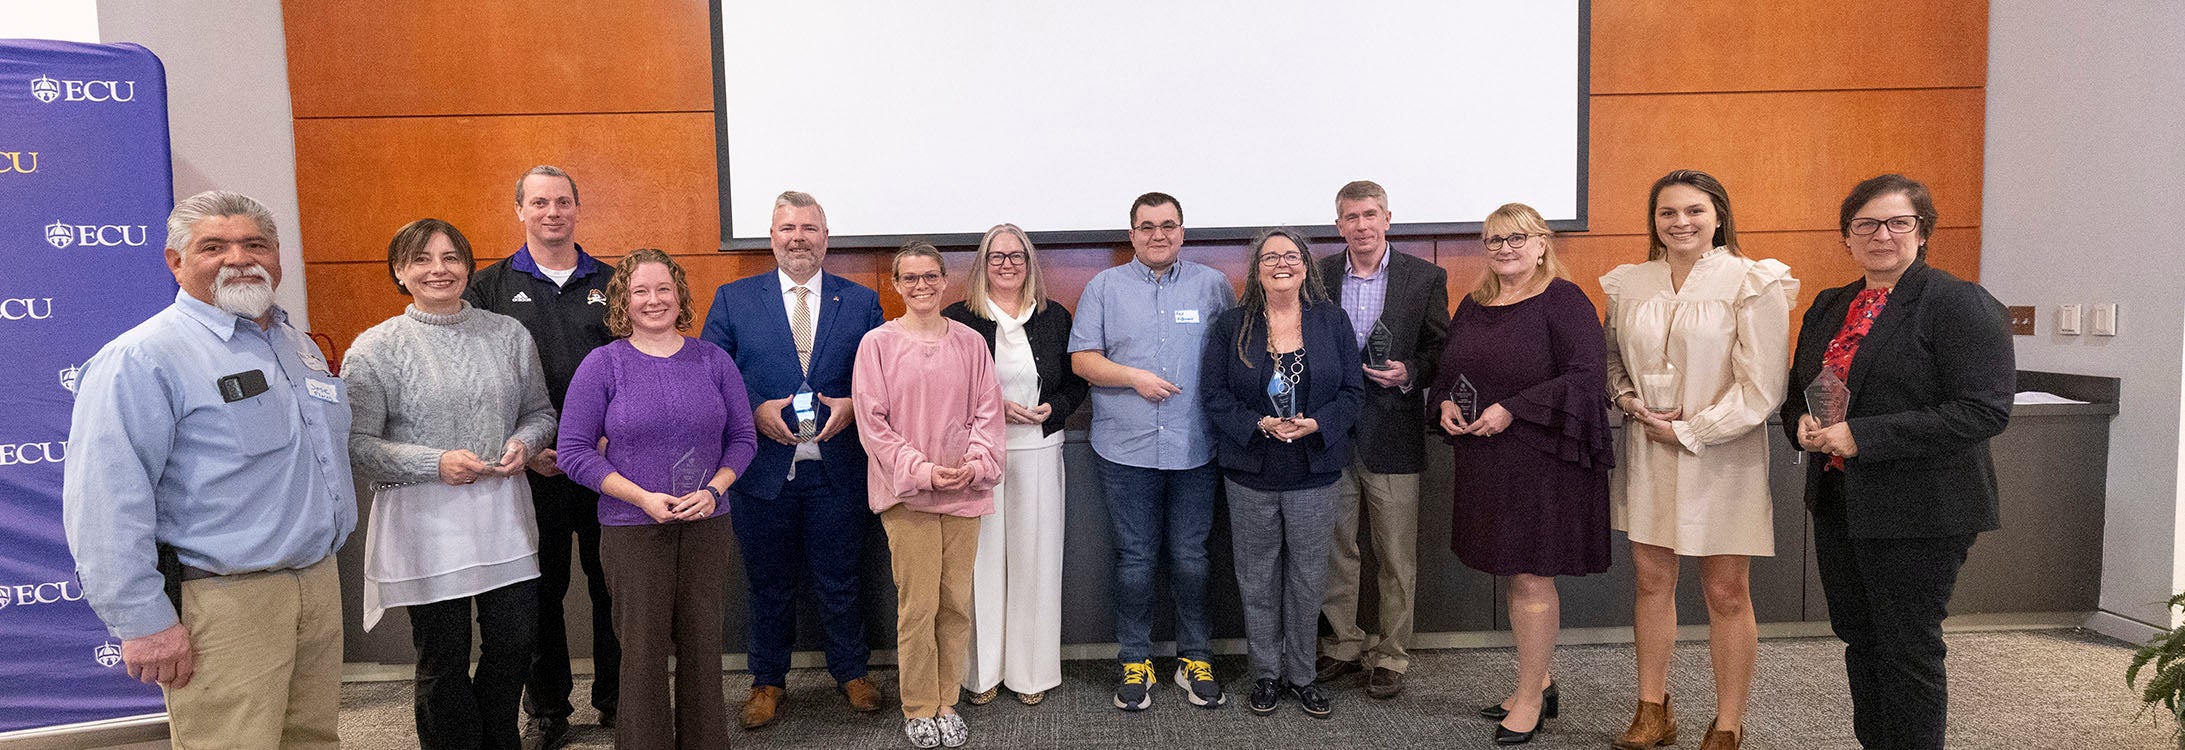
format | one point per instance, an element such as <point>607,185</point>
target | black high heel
<point>1506,736</point>
<point>1551,702</point>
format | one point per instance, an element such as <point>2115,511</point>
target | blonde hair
<point>1034,291</point>
<point>1524,219</point>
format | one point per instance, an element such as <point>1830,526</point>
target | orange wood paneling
<point>461,57</point>
<point>645,180</point>
<point>1784,45</point>
<point>1787,158</point>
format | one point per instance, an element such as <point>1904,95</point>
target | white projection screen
<point>941,118</point>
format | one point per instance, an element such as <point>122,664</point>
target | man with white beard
<point>207,489</point>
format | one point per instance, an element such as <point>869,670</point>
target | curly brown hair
<point>618,290</point>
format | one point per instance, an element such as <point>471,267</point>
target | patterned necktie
<point>800,327</point>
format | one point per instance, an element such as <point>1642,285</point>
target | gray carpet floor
<point>2024,689</point>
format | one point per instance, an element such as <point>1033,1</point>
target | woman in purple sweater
<point>678,430</point>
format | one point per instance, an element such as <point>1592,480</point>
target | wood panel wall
<point>413,108</point>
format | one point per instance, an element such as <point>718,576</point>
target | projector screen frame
<point>1121,235</point>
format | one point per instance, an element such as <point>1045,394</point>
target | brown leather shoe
<point>1384,683</point>
<point>864,696</point>
<point>1653,726</point>
<point>1720,740</point>
<point>1328,668</point>
<point>762,707</point>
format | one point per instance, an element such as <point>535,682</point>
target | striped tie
<point>800,326</point>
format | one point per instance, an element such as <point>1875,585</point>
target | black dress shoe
<point>1551,704</point>
<point>607,719</point>
<point>1505,736</point>
<point>1310,698</point>
<point>1265,693</point>
<point>548,734</point>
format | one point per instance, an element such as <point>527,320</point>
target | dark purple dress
<point>1533,498</point>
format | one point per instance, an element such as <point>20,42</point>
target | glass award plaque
<point>1661,389</point>
<point>1828,399</point>
<point>1282,396</point>
<point>688,474</point>
<point>805,406</point>
<point>1466,397</point>
<point>1378,344</point>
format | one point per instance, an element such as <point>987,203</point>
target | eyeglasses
<point>1017,258</point>
<point>1896,225</point>
<point>1166,227</point>
<point>923,279</point>
<point>1515,241</point>
<point>1272,260</point>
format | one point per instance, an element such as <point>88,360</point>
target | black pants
<point>566,508</point>
<point>458,710</point>
<point>1886,601</point>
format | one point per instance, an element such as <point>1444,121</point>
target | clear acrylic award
<point>1661,389</point>
<point>804,404</point>
<point>1378,344</point>
<point>688,474</point>
<point>1466,397</point>
<point>1828,399</point>
<point>1282,396</point>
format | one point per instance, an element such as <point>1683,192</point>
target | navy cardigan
<point>1235,396</point>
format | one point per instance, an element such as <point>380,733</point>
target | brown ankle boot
<point>1654,725</point>
<point>1720,740</point>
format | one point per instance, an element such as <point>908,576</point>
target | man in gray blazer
<point>1401,302</point>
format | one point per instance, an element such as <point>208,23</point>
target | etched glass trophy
<point>1377,345</point>
<point>1660,389</point>
<point>688,474</point>
<point>1282,396</point>
<point>807,413</point>
<point>1466,397</point>
<point>1828,399</point>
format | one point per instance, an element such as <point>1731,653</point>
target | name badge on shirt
<point>322,391</point>
<point>1187,316</point>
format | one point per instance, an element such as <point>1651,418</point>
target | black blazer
<point>1416,312</point>
<point>1235,396</point>
<point>1049,333</point>
<point>1932,381</point>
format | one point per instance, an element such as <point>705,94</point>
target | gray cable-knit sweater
<point>423,384</point>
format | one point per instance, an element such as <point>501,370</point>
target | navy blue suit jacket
<point>1235,396</point>
<point>748,320</point>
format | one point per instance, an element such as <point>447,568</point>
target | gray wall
<point>227,107</point>
<point>2084,192</point>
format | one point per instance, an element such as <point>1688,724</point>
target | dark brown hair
<point>1725,227</point>
<point>410,241</point>
<point>1923,204</point>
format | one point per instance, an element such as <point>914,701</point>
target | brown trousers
<point>932,556</point>
<point>670,586</point>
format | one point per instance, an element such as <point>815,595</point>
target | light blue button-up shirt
<point>156,456</point>
<point>1155,322</point>
<point>1364,296</point>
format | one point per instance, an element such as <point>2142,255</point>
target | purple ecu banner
<point>85,187</point>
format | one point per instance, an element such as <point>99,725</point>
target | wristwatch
<point>716,493</point>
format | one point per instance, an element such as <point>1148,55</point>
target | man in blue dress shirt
<point>1137,337</point>
<point>207,490</point>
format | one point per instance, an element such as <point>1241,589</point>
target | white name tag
<point>323,391</point>
<point>1187,316</point>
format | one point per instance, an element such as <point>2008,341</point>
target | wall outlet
<point>2104,322</point>
<point>2067,320</point>
<point>2021,317</point>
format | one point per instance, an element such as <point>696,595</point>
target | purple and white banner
<point>85,187</point>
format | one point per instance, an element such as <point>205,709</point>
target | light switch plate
<point>2104,320</point>
<point>2067,320</point>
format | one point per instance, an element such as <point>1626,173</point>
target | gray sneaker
<point>923,733</point>
<point>953,731</point>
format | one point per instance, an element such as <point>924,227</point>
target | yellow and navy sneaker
<point>1197,680</point>
<point>1136,692</point>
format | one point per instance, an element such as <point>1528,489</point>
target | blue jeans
<point>1145,508</point>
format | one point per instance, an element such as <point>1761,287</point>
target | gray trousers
<point>1281,544</point>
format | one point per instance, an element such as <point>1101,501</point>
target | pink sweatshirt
<point>920,402</point>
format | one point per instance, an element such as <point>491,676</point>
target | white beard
<point>248,300</point>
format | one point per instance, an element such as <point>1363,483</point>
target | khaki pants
<point>268,654</point>
<point>932,555</point>
<point>1392,510</point>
